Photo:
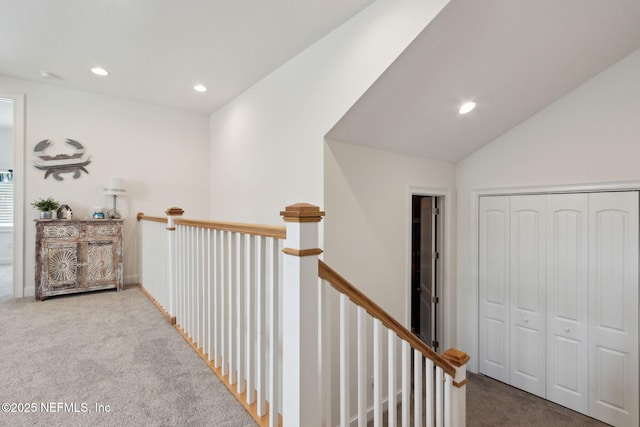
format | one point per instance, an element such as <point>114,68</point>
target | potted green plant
<point>45,206</point>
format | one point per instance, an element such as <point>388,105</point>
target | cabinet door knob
<point>567,330</point>
<point>526,320</point>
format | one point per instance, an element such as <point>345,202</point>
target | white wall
<point>6,162</point>
<point>590,136</point>
<point>267,144</point>
<point>161,153</point>
<point>367,227</point>
<point>368,214</point>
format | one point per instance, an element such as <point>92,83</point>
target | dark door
<point>424,268</point>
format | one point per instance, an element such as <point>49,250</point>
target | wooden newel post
<point>300,388</point>
<point>458,359</point>
<point>171,258</point>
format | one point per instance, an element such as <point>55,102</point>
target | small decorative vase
<point>64,212</point>
<point>98,213</point>
<point>45,214</point>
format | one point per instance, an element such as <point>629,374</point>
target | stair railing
<point>220,284</point>
<point>246,298</point>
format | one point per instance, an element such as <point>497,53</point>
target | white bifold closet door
<point>558,299</point>
<point>527,293</point>
<point>567,300</point>
<point>494,303</point>
<point>613,308</point>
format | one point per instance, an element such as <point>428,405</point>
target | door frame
<point>512,191</point>
<point>18,192</point>
<point>446,313</point>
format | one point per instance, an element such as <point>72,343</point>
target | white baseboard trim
<point>131,279</point>
<point>30,292</point>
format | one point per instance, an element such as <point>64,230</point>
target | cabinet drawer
<point>102,230</point>
<point>61,231</point>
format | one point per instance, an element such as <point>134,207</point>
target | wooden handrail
<point>277,232</point>
<point>342,285</point>
<point>142,216</point>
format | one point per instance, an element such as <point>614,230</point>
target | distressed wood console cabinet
<point>78,256</point>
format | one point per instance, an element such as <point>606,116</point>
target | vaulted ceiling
<point>513,57</point>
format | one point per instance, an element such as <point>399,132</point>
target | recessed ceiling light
<point>200,88</point>
<point>99,71</point>
<point>466,107</point>
<point>47,75</point>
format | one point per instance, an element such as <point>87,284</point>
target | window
<point>6,198</point>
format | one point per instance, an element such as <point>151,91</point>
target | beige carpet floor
<point>116,349</point>
<point>492,403</point>
<point>65,358</point>
<point>6,282</point>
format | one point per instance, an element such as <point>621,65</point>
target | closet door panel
<point>613,307</point>
<point>494,287</point>
<point>527,293</point>
<point>567,303</point>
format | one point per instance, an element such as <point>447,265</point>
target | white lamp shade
<point>115,186</point>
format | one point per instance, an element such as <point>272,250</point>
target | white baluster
<point>345,412</point>
<point>325,351</point>
<point>217,280</point>
<point>193,308</point>
<point>197,264</point>
<point>250,312</point>
<point>417,388</point>
<point>202,303</point>
<point>448,381</point>
<point>211,299</point>
<point>362,367</point>
<point>377,373</point>
<point>173,277</point>
<point>193,289</point>
<point>261,318</point>
<point>181,280</point>
<point>187,281</point>
<point>179,287</point>
<point>231,295</point>
<point>240,303</point>
<point>224,246</point>
<point>406,384</point>
<point>391,373</point>
<point>439,387</point>
<point>197,287</point>
<point>274,333</point>
<point>429,394</point>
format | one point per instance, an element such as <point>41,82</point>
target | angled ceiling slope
<point>513,57</point>
<point>157,50</point>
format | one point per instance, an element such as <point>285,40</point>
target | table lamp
<point>114,187</point>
